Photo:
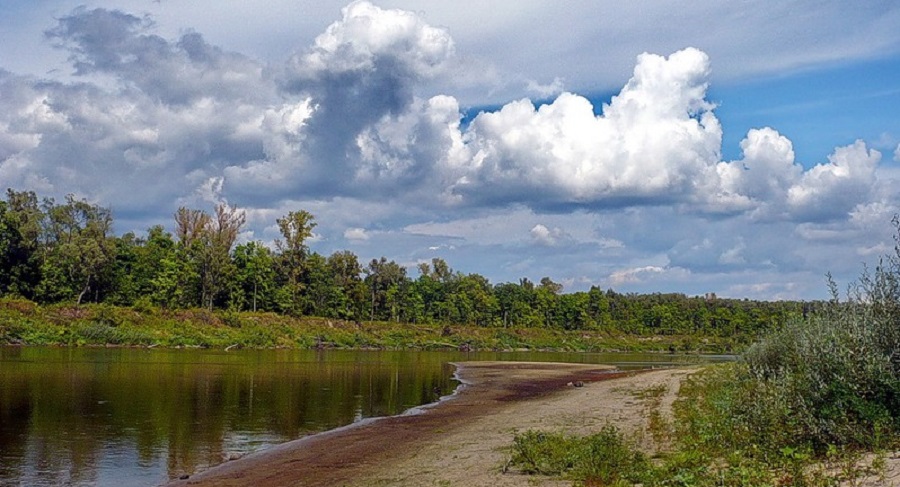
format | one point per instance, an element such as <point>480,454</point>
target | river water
<point>138,417</point>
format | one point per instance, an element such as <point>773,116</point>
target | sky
<point>739,148</point>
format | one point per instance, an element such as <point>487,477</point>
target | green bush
<point>839,370</point>
<point>818,391</point>
<point>604,458</point>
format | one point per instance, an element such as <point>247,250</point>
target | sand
<point>462,440</point>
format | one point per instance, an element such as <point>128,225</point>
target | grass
<point>26,323</point>
<point>605,458</point>
<point>801,409</point>
<point>805,405</point>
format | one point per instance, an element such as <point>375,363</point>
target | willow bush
<point>829,380</point>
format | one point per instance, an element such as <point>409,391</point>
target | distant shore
<point>458,441</point>
<point>24,322</point>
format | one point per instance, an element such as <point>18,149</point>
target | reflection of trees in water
<point>63,410</point>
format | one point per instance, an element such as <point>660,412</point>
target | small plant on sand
<point>605,458</point>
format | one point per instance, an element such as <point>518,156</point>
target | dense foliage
<point>830,380</point>
<point>66,253</point>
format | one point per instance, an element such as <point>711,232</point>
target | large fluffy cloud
<point>648,146</point>
<point>363,69</point>
<point>769,183</point>
<point>344,118</point>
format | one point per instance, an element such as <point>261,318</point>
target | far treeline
<point>65,252</point>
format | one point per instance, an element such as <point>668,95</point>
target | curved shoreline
<point>353,452</point>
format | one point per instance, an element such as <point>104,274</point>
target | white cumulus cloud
<point>367,37</point>
<point>357,234</point>
<point>834,189</point>
<point>649,144</point>
<point>542,235</point>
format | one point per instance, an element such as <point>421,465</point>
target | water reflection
<point>138,417</point>
<point>82,416</point>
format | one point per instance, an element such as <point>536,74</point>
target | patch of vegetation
<point>605,458</point>
<point>63,253</point>
<point>800,409</point>
<point>23,322</point>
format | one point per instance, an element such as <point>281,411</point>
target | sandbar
<point>461,439</point>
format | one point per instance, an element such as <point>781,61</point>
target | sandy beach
<point>460,440</point>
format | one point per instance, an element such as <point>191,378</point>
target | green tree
<point>124,280</point>
<point>384,279</point>
<point>546,301</point>
<point>474,301</point>
<point>255,276</point>
<point>207,242</point>
<point>318,285</point>
<point>78,249</point>
<point>296,228</point>
<point>345,270</point>
<point>20,231</point>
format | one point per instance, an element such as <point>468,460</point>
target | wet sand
<point>458,441</point>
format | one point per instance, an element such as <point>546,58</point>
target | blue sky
<point>817,108</point>
<point>742,148</point>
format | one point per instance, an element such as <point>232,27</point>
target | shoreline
<point>406,449</point>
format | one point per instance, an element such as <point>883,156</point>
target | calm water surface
<point>129,417</point>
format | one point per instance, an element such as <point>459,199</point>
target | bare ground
<point>460,441</point>
<point>464,440</point>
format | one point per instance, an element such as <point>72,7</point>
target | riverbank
<point>461,440</point>
<point>26,323</point>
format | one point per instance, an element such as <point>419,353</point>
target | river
<point>138,417</point>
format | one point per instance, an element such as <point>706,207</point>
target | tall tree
<point>78,248</point>
<point>296,228</point>
<point>220,236</point>
<point>384,279</point>
<point>255,275</point>
<point>345,270</point>
<point>206,242</point>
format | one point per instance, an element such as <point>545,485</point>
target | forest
<point>66,252</point>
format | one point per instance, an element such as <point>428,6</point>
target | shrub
<point>839,370</point>
<point>831,379</point>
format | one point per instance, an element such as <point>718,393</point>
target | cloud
<point>343,118</point>
<point>769,184</point>
<point>765,172</point>
<point>630,276</point>
<point>120,44</point>
<point>369,39</point>
<point>832,190</point>
<point>357,234</point>
<point>897,153</point>
<point>542,235</point>
<point>361,75</point>
<point>544,91</point>
<point>646,146</point>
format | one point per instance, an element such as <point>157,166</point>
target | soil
<point>461,440</point>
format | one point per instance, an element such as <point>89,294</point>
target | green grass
<point>24,322</point>
<point>605,458</point>
<point>801,408</point>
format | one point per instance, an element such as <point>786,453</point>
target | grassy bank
<point>802,408</point>
<point>26,323</point>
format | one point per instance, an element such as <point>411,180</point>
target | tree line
<point>52,252</point>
